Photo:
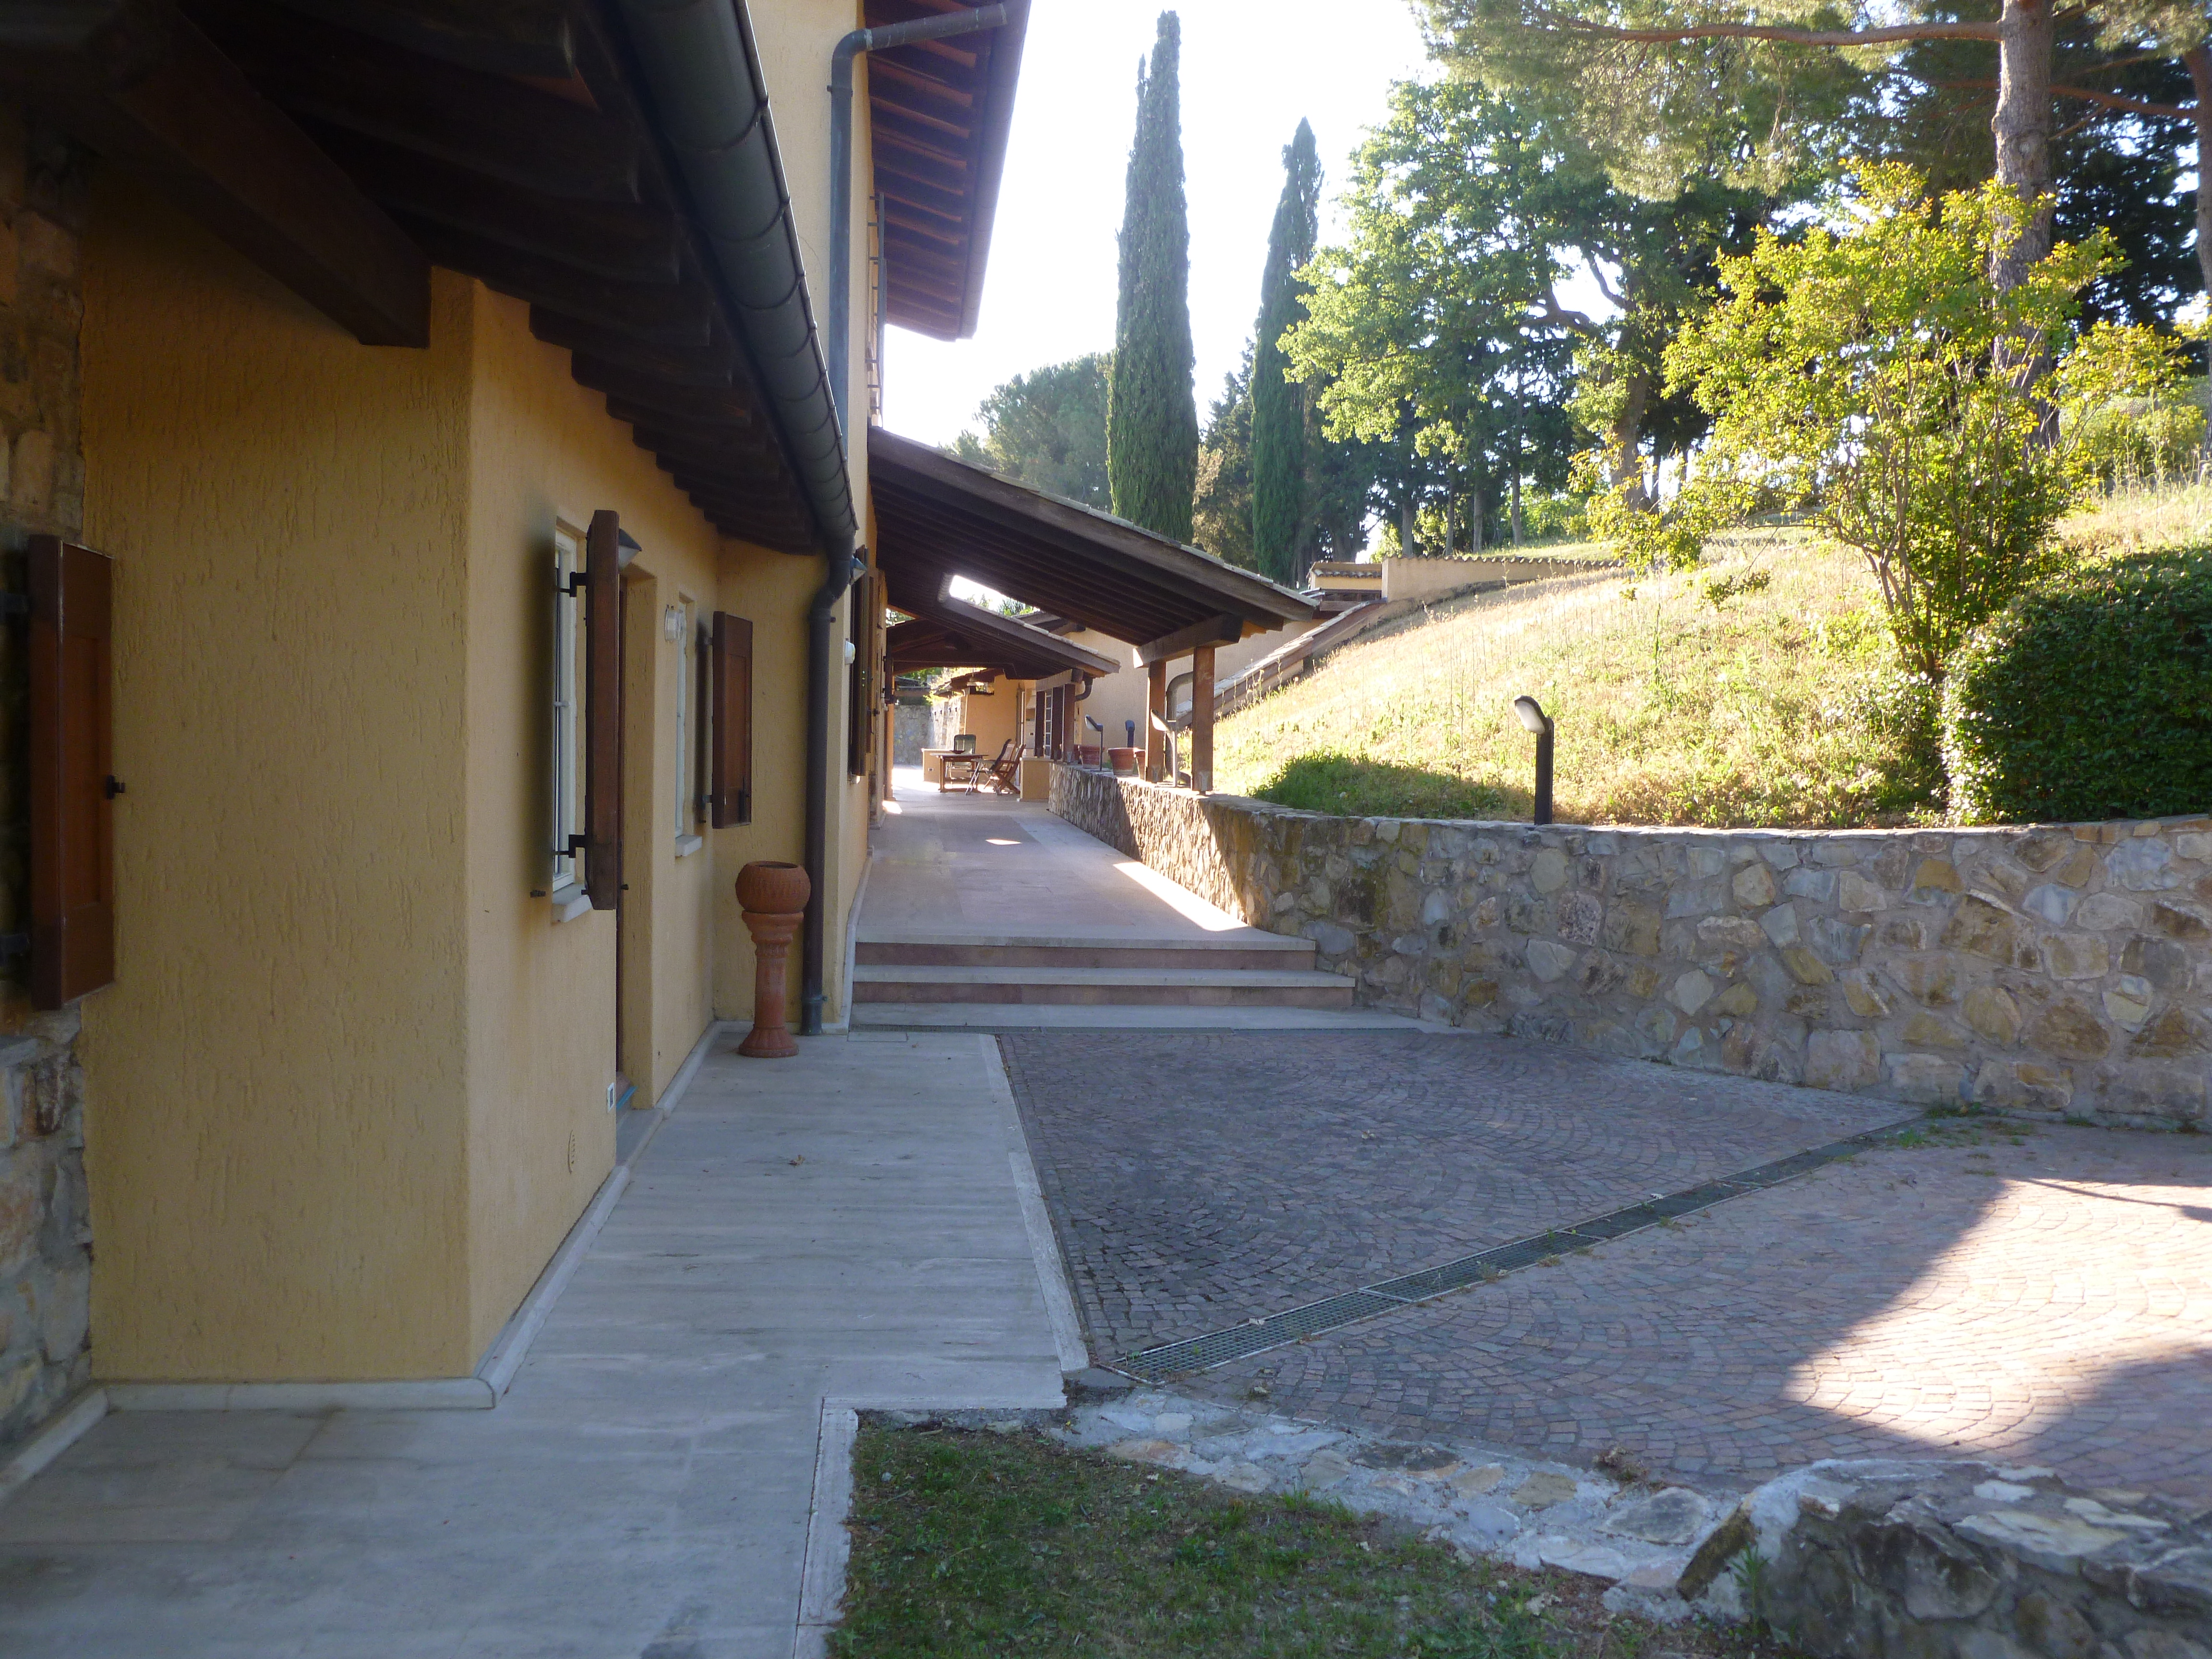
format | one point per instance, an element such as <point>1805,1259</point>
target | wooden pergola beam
<point>137,82</point>
<point>1214,630</point>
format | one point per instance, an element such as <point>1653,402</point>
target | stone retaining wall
<point>45,1261</point>
<point>2060,970</point>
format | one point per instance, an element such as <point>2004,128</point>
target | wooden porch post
<point>1201,720</point>
<point>1155,741</point>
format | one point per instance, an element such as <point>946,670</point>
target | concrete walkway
<point>972,874</point>
<point>846,1226</point>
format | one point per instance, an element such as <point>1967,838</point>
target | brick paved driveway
<point>2039,1295</point>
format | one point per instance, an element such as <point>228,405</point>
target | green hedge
<point>2088,698</point>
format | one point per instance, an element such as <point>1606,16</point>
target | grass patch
<point>1759,690</point>
<point>975,1544</point>
<point>1357,787</point>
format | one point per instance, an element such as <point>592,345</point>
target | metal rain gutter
<point>711,101</point>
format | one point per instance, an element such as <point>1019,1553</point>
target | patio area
<point>1968,1287</point>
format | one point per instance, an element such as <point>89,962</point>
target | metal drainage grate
<point>1219,1347</point>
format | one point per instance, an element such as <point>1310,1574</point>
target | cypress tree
<point>1151,411</point>
<point>1278,407</point>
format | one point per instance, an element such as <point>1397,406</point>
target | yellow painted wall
<point>275,1121</point>
<point>542,1010</point>
<point>991,718</point>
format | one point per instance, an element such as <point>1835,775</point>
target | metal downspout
<point>841,167</point>
<point>699,57</point>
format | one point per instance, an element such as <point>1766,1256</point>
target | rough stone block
<point>1632,927</point>
<point>2142,866</point>
<point>1780,924</point>
<point>1993,1013</point>
<point>1925,1031</point>
<point>2050,902</point>
<point>2070,1030</point>
<point>1691,992</point>
<point>2077,956</point>
<point>1843,1060</point>
<point>2171,1034</point>
<point>1926,1079</point>
<point>1837,943</point>
<point>1730,933</point>
<point>1865,999</point>
<point>1980,929</point>
<point>1934,877</point>
<point>1577,916</point>
<point>2181,921</point>
<point>1817,886</point>
<point>1548,870</point>
<point>1753,886</point>
<point>1854,892</point>
<point>1806,968</point>
<point>2024,1085</point>
<point>1547,961</point>
<point>1737,1001</point>
<point>2129,1002</point>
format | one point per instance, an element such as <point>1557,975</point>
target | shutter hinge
<point>575,582</point>
<point>578,844</point>
<point>113,787</point>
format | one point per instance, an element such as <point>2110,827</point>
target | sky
<point>1251,69</point>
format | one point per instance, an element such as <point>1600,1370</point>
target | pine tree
<point>1279,494</point>
<point>1151,413</point>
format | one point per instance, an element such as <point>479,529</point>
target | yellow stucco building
<point>371,325</point>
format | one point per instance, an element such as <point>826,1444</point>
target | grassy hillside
<point>1766,709</point>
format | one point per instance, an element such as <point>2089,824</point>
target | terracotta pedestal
<point>773,899</point>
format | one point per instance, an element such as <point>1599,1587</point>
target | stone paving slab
<point>2029,1296</point>
<point>1197,1182</point>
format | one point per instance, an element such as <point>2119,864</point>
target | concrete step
<point>1235,954</point>
<point>1192,987</point>
<point>1119,1017</point>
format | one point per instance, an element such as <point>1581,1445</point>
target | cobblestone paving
<point>1197,1182</point>
<point>2036,1295</point>
<point>2048,1302</point>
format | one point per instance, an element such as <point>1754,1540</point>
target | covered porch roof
<point>954,634</point>
<point>937,518</point>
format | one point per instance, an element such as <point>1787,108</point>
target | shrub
<point>2089,698</point>
<point>2133,441</point>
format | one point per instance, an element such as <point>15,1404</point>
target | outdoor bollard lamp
<point>1533,717</point>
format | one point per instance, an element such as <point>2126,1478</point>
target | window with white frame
<point>567,706</point>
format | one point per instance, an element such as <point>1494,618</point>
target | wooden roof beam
<point>500,37</point>
<point>489,124</point>
<point>675,314</point>
<point>623,241</point>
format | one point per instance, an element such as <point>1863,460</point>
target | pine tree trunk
<point>2023,128</point>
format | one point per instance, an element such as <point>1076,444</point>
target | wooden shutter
<point>730,788</point>
<point>71,791</point>
<point>857,684</point>
<point>603,710</point>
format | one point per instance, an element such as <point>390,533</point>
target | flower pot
<point>771,888</point>
<point>1124,761</point>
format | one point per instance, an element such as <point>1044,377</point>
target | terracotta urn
<point>1124,762</point>
<point>773,897</point>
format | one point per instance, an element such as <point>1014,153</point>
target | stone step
<point>1192,987</point>
<point>1292,953</point>
<point>1119,1017</point>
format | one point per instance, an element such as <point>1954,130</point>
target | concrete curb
<point>62,1431</point>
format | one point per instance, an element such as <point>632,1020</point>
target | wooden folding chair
<point>1005,773</point>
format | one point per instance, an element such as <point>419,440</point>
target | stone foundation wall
<point>2059,970</point>
<point>1910,1561</point>
<point>45,1261</point>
